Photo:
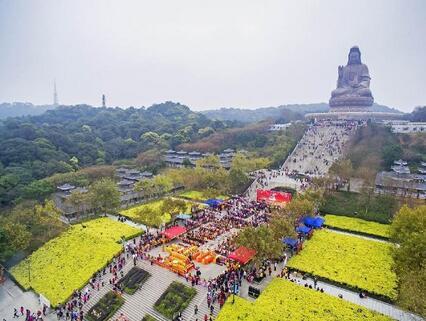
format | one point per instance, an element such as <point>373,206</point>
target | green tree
<point>210,162</point>
<point>299,206</point>
<point>248,164</point>
<point>104,195</point>
<point>38,190</point>
<point>408,229</point>
<point>13,237</point>
<point>146,187</point>
<point>262,240</point>
<point>162,184</point>
<point>237,181</point>
<point>150,217</point>
<point>282,226</point>
<point>41,221</point>
<point>342,169</point>
<point>173,206</point>
<point>79,201</point>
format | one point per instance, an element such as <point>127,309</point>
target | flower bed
<point>132,281</point>
<point>106,307</point>
<point>200,196</point>
<point>358,225</point>
<point>155,207</point>
<point>67,262</point>
<point>350,261</point>
<point>284,300</point>
<point>175,299</point>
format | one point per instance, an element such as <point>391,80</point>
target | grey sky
<point>208,54</point>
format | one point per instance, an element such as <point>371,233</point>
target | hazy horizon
<point>208,55</point>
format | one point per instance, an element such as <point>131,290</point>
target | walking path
<point>366,237</point>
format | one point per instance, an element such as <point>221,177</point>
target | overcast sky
<point>208,54</point>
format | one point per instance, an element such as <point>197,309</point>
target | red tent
<point>242,255</point>
<point>174,231</point>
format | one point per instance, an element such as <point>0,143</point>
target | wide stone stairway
<point>136,306</point>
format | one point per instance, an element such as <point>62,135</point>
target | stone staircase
<point>136,306</point>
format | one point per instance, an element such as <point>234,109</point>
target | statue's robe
<point>355,81</point>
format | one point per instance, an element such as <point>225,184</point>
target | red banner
<point>273,197</point>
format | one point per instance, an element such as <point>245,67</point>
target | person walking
<point>15,313</point>
<point>195,309</point>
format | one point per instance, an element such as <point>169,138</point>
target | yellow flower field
<point>358,225</point>
<point>284,300</point>
<point>200,196</point>
<point>67,262</point>
<point>349,260</point>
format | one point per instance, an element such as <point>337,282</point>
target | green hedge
<point>106,307</point>
<point>132,281</point>
<point>148,317</point>
<point>175,299</point>
<point>378,208</point>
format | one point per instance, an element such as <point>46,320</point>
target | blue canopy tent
<point>290,242</point>
<point>213,202</point>
<point>303,229</point>
<point>183,217</point>
<point>314,222</point>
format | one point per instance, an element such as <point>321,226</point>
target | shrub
<point>106,307</point>
<point>132,281</point>
<point>175,299</point>
<point>380,208</point>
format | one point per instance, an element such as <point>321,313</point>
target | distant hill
<point>283,113</point>
<point>22,109</point>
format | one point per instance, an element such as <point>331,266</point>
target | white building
<point>277,127</point>
<point>404,126</point>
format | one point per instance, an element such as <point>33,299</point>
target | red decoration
<point>273,197</point>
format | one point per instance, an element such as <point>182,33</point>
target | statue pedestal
<point>353,102</point>
<point>364,114</point>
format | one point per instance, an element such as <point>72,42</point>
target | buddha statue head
<point>354,57</point>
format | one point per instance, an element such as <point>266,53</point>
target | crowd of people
<point>322,144</point>
<point>29,315</point>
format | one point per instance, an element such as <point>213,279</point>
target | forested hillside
<point>61,140</point>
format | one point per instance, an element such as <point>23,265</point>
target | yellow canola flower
<point>349,260</point>
<point>67,262</point>
<point>358,225</point>
<point>284,300</point>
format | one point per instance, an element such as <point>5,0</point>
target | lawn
<point>201,196</point>
<point>358,225</point>
<point>349,260</point>
<point>138,213</point>
<point>175,299</point>
<point>67,262</point>
<point>284,300</point>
